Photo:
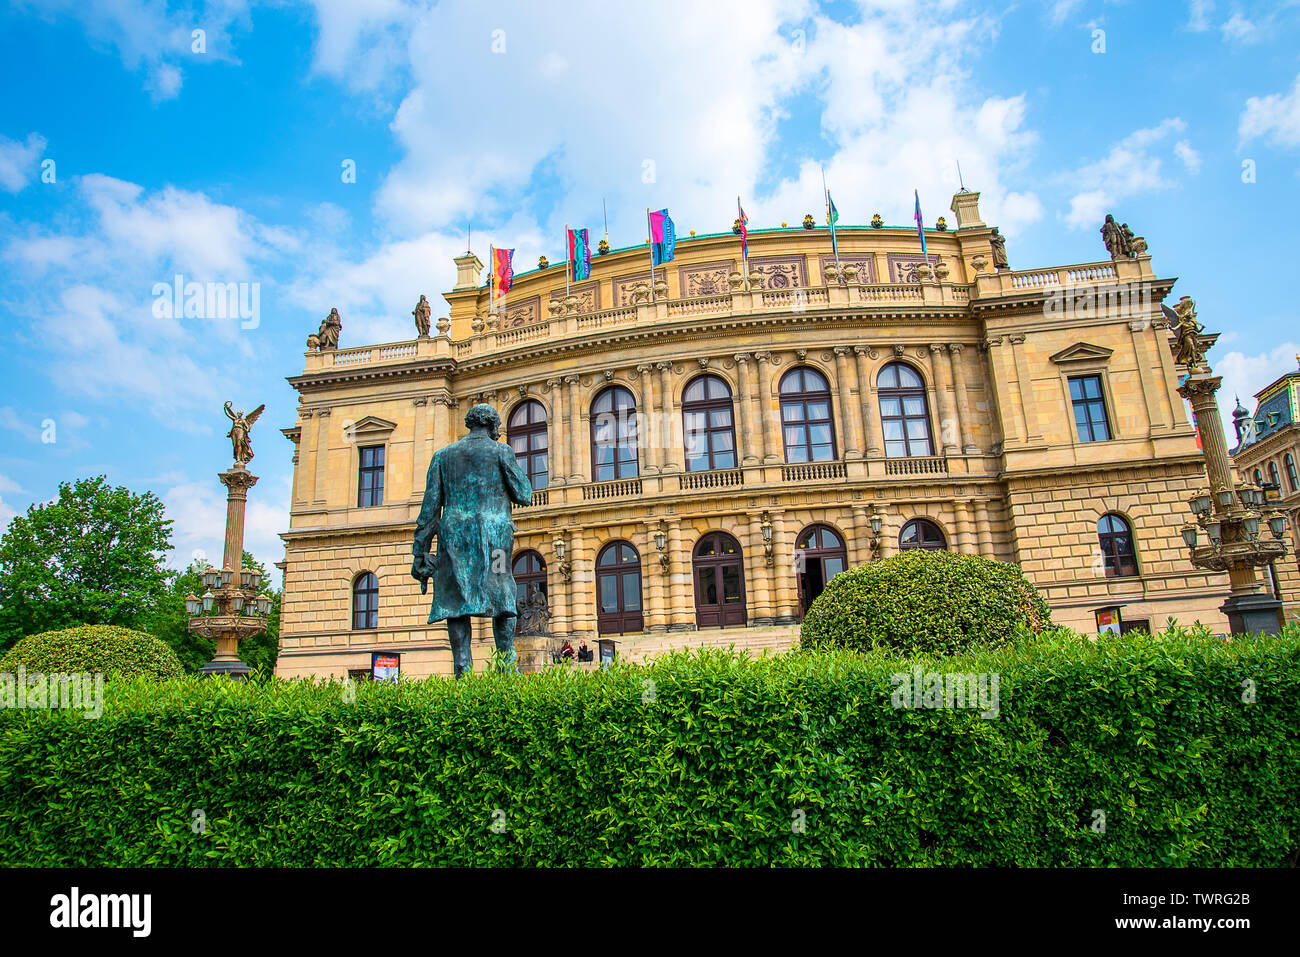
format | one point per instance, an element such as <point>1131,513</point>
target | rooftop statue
<point>467,497</point>
<point>999,243</point>
<point>1119,239</point>
<point>330,329</point>
<point>240,428</point>
<point>422,313</point>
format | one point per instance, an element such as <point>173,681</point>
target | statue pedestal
<point>533,652</point>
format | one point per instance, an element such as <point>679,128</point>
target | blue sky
<point>220,156</point>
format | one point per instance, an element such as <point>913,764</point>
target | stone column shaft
<point>867,406</point>
<point>853,438</point>
<point>948,426</point>
<point>769,416</point>
<point>747,442</point>
<point>963,399</point>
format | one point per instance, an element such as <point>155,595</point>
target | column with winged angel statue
<point>241,426</point>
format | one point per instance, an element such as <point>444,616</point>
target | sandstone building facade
<point>707,453</point>
<point>1268,455</point>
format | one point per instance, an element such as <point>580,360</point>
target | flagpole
<point>744,244</point>
<point>492,279</point>
<point>835,246</point>
<point>651,234</point>
<point>568,260</point>
<point>605,216</point>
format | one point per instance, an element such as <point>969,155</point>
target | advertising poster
<point>1109,621</point>
<point>385,666</point>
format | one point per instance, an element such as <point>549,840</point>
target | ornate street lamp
<point>231,607</point>
<point>1230,515</point>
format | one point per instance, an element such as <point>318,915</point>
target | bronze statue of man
<point>467,497</point>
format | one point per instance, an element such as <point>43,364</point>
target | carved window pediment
<point>371,428</point>
<point>1083,352</point>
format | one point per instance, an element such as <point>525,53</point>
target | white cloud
<point>1237,29</point>
<point>1276,116</point>
<point>1129,169</point>
<point>1198,12</point>
<point>1190,157</point>
<point>8,487</point>
<point>1244,375</point>
<point>150,38</point>
<point>18,161</point>
<point>1061,11</point>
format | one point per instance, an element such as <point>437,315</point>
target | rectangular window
<point>1089,408</point>
<point>370,486</point>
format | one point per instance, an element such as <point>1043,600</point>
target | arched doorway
<point>719,572</point>
<point>618,589</point>
<point>820,556</point>
<point>529,571</point>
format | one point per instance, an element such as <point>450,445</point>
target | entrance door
<point>618,589</point>
<point>821,556</point>
<point>719,582</point>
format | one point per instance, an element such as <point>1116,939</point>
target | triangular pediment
<point>1083,352</point>
<point>372,425</point>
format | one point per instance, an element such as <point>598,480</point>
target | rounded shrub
<point>919,601</point>
<point>108,649</point>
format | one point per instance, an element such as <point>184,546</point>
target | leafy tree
<point>170,622</point>
<point>92,556</point>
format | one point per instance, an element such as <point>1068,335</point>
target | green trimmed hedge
<point>924,602</point>
<point>709,765</point>
<point>115,651</point>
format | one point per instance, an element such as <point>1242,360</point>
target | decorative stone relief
<point>588,296</point>
<point>866,266</point>
<point>523,312</point>
<point>780,272</point>
<point>705,279</point>
<point>902,266</point>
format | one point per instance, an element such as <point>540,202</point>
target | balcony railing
<point>812,472</point>
<point>717,478</point>
<point>617,489</point>
<point>921,465</point>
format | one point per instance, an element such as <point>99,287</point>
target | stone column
<point>322,455</point>
<point>1155,414</point>
<point>889,530</point>
<point>867,404</point>
<point>769,414</point>
<point>963,400</point>
<point>747,440</point>
<point>668,419</point>
<point>557,436</point>
<point>785,586</point>
<point>575,456</point>
<point>861,535</point>
<point>582,586</point>
<point>681,603</point>
<point>304,478</point>
<point>947,416</point>
<point>965,528</point>
<point>419,429</point>
<point>853,437</point>
<point>1025,386</point>
<point>1177,411</point>
<point>984,530</point>
<point>651,435</point>
<point>758,579</point>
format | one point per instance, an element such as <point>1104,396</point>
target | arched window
<point>919,533</point>
<point>1116,540</point>
<point>1274,477</point>
<point>709,433</point>
<point>820,556</point>
<point>526,433</point>
<point>719,572</point>
<point>806,423</point>
<point>613,435</point>
<point>904,412</point>
<point>529,571</point>
<point>1259,478</point>
<point>1292,479</point>
<point>365,601</point>
<point>618,589</point>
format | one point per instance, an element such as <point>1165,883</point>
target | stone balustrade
<point>756,302</point>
